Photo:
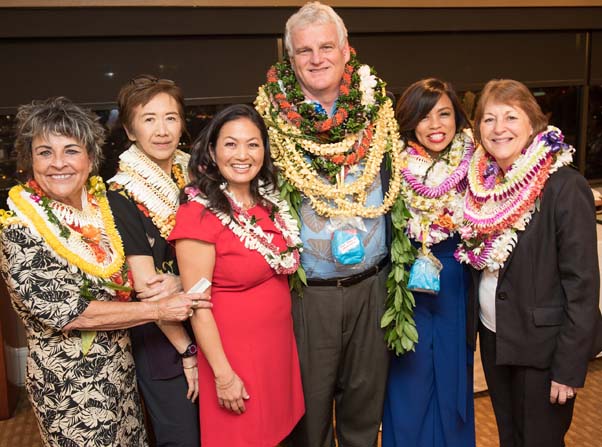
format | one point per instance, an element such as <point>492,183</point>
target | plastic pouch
<point>347,244</point>
<point>424,274</point>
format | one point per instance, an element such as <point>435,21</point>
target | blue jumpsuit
<point>429,400</point>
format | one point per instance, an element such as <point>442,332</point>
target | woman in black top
<point>144,198</point>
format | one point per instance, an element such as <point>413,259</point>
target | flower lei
<point>498,206</point>
<point>315,152</point>
<point>434,190</point>
<point>87,240</point>
<point>154,191</point>
<point>252,235</point>
<point>304,143</point>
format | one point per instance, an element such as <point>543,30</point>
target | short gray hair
<point>61,117</point>
<point>313,13</point>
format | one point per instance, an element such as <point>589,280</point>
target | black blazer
<point>547,295</point>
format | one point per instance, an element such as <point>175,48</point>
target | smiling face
<point>319,61</point>
<point>156,128</point>
<point>505,130</point>
<point>437,129</point>
<point>61,166</point>
<point>239,154</point>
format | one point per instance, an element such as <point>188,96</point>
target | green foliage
<point>87,340</point>
<point>293,197</point>
<point>398,319</point>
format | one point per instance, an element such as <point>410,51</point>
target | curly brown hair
<point>57,116</point>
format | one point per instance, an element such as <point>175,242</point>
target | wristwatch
<point>191,351</point>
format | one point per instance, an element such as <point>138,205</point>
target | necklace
<point>314,153</point>
<point>87,240</point>
<point>434,190</point>
<point>151,187</point>
<point>70,241</point>
<point>290,149</point>
<point>72,216</point>
<point>252,235</point>
<point>497,206</point>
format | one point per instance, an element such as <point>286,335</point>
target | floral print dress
<point>78,400</point>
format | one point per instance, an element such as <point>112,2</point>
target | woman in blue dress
<point>429,392</point>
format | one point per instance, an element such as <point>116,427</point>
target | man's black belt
<point>350,280</point>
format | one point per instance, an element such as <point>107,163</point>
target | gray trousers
<point>343,360</point>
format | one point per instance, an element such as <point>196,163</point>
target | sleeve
<point>41,286</point>
<point>194,221</point>
<point>128,221</point>
<point>579,275</point>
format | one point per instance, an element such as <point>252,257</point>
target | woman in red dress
<point>233,230</point>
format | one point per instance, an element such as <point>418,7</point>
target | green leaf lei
<point>398,319</point>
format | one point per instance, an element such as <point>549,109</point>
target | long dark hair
<point>419,99</point>
<point>204,173</point>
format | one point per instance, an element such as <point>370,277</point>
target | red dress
<point>252,310</point>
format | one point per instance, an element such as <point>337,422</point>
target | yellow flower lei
<point>41,224</point>
<point>344,199</point>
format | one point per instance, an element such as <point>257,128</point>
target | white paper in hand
<point>201,285</point>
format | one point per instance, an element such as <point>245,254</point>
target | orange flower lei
<point>33,207</point>
<point>295,117</point>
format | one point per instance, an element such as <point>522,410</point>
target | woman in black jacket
<point>531,235</point>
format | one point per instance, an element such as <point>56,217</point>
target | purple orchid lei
<point>457,179</point>
<point>491,232</point>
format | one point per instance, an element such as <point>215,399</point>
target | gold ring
<point>191,313</point>
<point>195,303</point>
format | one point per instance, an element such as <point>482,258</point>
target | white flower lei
<point>72,251</point>
<point>253,236</point>
<point>151,186</point>
<point>367,85</point>
<point>425,211</point>
<point>491,249</point>
<point>346,199</point>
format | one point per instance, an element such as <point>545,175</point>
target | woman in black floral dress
<point>63,262</point>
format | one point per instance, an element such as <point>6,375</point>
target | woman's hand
<point>560,393</point>
<point>189,364</point>
<point>160,286</point>
<point>231,393</point>
<point>181,306</point>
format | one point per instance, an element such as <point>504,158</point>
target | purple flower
<point>555,140</point>
<point>490,174</point>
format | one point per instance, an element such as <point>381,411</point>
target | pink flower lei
<point>496,209</point>
<point>433,190</point>
<point>454,180</point>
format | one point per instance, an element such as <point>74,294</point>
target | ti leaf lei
<point>352,116</point>
<point>398,320</point>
